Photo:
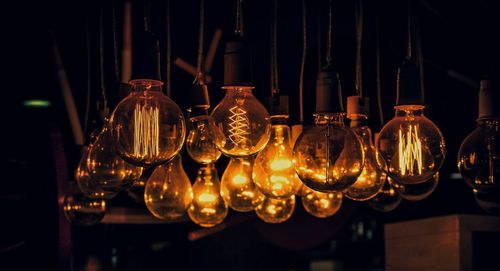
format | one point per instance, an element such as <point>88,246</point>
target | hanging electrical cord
<point>330,30</point>
<point>377,67</point>
<point>274,50</point>
<point>409,49</point>
<point>200,74</point>
<point>147,15</point>
<point>320,56</point>
<point>169,50</point>
<point>239,18</point>
<point>303,63</point>
<point>359,40</point>
<point>115,43</point>
<point>89,79</point>
<point>103,108</point>
<point>420,57</point>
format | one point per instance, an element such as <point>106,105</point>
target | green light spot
<point>36,103</point>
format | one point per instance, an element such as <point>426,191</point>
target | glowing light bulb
<point>168,191</point>
<point>208,208</point>
<point>110,171</point>
<point>241,123</point>
<point>200,143</point>
<point>321,204</point>
<point>276,210</point>
<point>274,173</point>
<point>147,126</point>
<point>416,192</point>
<point>87,185</point>
<point>386,200</point>
<point>81,210</point>
<point>237,186</point>
<point>136,191</point>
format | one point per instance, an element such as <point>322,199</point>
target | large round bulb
<point>276,210</point>
<point>321,204</point>
<point>237,186</point>
<point>416,192</point>
<point>386,200</point>
<point>200,143</point>
<point>411,145</point>
<point>110,171</point>
<point>328,157</point>
<point>168,191</point>
<point>241,123</point>
<point>147,126</point>
<point>372,178</point>
<point>479,156</point>
<point>87,185</point>
<point>274,173</point>
<point>81,210</point>
<point>208,208</point>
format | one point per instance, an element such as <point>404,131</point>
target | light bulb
<point>81,210</point>
<point>147,126</point>
<point>416,192</point>
<point>87,185</point>
<point>386,200</point>
<point>276,210</point>
<point>136,191</point>
<point>274,173</point>
<point>241,123</point>
<point>168,191</point>
<point>208,208</point>
<point>200,143</point>
<point>328,156</point>
<point>110,171</point>
<point>321,204</point>
<point>237,186</point>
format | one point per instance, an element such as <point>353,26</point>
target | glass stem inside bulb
<point>328,119</point>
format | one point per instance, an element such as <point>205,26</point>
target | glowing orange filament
<point>410,151</point>
<point>240,125</point>
<point>146,131</point>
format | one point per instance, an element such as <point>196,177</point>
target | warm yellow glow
<point>281,164</point>
<point>146,131</point>
<point>271,209</point>
<point>207,198</point>
<point>240,125</point>
<point>324,203</point>
<point>248,194</point>
<point>410,151</point>
<point>239,180</point>
<point>208,211</point>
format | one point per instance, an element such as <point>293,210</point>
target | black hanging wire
<point>274,50</point>
<point>89,78</point>
<point>199,65</point>
<point>359,40</point>
<point>329,38</point>
<point>420,57</point>
<point>320,56</point>
<point>239,18</point>
<point>104,107</point>
<point>115,44</point>
<point>377,67</point>
<point>409,47</point>
<point>303,63</point>
<point>169,51</point>
<point>147,15</point>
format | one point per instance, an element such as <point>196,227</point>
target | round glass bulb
<point>276,210</point>
<point>411,146</point>
<point>208,208</point>
<point>274,173</point>
<point>237,186</point>
<point>328,157</point>
<point>81,210</point>
<point>416,192</point>
<point>168,191</point>
<point>147,126</point>
<point>386,200</point>
<point>321,204</point>
<point>479,156</point>
<point>87,185</point>
<point>372,178</point>
<point>200,143</point>
<point>241,123</point>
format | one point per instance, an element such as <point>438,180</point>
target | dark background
<point>457,42</point>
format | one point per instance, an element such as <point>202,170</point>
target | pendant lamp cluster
<point>270,164</point>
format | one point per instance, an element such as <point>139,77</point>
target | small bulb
<point>200,143</point>
<point>81,210</point>
<point>147,126</point>
<point>386,200</point>
<point>237,186</point>
<point>276,210</point>
<point>321,204</point>
<point>208,208</point>
<point>241,123</point>
<point>274,173</point>
<point>87,185</point>
<point>416,192</point>
<point>168,191</point>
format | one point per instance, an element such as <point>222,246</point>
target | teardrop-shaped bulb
<point>200,143</point>
<point>321,204</point>
<point>237,186</point>
<point>168,191</point>
<point>276,210</point>
<point>136,191</point>
<point>87,185</point>
<point>386,200</point>
<point>416,192</point>
<point>208,208</point>
<point>108,169</point>
<point>81,210</point>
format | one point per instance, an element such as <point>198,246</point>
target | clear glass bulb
<point>241,123</point>
<point>328,156</point>
<point>237,186</point>
<point>168,191</point>
<point>208,208</point>
<point>147,126</point>
<point>479,156</point>
<point>387,199</point>
<point>87,185</point>
<point>274,173</point>
<point>200,143</point>
<point>416,192</point>
<point>81,210</point>
<point>372,178</point>
<point>276,210</point>
<point>411,146</point>
<point>321,204</point>
<point>110,171</point>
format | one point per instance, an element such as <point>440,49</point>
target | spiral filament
<point>146,131</point>
<point>239,125</point>
<point>410,151</point>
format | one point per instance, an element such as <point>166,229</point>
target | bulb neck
<point>329,119</point>
<point>279,119</point>
<point>280,132</point>
<point>360,121</point>
<point>487,99</point>
<point>142,85</point>
<point>409,110</point>
<point>489,123</point>
<point>198,111</point>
